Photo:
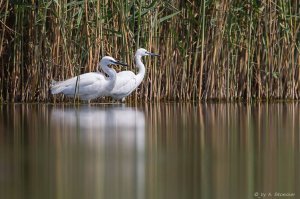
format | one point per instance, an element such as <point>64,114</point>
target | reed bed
<point>222,50</point>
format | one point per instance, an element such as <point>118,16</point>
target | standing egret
<point>127,81</point>
<point>89,85</point>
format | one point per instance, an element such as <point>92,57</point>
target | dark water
<point>151,151</point>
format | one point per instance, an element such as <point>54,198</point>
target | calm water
<point>164,151</point>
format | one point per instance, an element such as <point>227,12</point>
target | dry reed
<point>223,50</point>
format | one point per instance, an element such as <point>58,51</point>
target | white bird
<point>127,81</point>
<point>89,85</point>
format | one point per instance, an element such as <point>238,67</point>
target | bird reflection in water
<point>97,119</point>
<point>110,142</point>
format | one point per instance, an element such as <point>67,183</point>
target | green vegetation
<point>240,50</point>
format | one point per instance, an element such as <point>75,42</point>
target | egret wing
<point>125,82</point>
<point>88,83</point>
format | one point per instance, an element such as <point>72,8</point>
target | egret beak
<point>153,54</point>
<point>120,63</point>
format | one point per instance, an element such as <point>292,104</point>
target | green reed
<point>238,50</point>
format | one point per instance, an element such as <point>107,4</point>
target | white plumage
<point>89,85</point>
<point>127,81</point>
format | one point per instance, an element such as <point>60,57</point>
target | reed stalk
<point>210,50</point>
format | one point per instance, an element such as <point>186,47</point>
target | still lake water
<point>150,151</point>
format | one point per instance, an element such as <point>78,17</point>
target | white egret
<point>89,85</point>
<point>127,81</point>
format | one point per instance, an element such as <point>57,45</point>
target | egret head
<point>107,60</point>
<point>144,52</point>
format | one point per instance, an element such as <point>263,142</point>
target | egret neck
<point>111,75</point>
<point>142,70</point>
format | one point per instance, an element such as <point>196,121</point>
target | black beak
<point>120,63</point>
<point>153,54</point>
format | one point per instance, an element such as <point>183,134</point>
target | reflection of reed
<point>222,150</point>
<point>158,151</point>
<point>22,167</point>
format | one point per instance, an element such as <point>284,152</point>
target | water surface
<point>149,151</point>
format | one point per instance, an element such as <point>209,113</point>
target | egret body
<point>89,85</point>
<point>127,81</point>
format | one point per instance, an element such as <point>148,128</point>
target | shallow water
<point>150,151</point>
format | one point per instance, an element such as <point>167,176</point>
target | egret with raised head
<point>127,81</point>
